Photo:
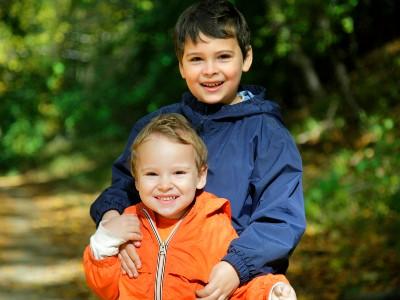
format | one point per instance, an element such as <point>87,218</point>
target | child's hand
<point>130,260</point>
<point>125,227</point>
<point>222,283</point>
<point>283,291</point>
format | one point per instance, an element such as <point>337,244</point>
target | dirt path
<point>43,229</point>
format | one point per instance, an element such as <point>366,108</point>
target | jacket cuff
<point>102,263</point>
<point>238,262</point>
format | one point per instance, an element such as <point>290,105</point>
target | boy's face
<point>212,68</point>
<point>166,176</point>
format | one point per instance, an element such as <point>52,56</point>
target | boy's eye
<point>150,174</point>
<point>195,59</point>
<point>180,172</point>
<point>225,56</point>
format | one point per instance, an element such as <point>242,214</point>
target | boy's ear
<point>248,60</point>
<point>181,70</point>
<point>202,178</point>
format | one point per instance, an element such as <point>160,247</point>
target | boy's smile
<point>212,68</point>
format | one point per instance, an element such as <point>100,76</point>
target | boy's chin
<point>215,101</point>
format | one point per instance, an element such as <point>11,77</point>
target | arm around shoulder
<point>278,220</point>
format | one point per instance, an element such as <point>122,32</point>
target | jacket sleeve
<point>102,276</point>
<point>278,218</point>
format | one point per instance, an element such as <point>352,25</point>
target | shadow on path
<point>44,226</point>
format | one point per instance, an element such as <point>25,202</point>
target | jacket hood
<point>212,204</point>
<point>257,105</point>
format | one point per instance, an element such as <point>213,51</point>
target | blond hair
<point>176,128</point>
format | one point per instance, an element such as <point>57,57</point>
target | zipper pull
<point>162,250</point>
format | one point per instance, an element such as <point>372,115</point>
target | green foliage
<point>312,25</point>
<point>81,68</point>
<point>359,182</point>
<point>361,177</point>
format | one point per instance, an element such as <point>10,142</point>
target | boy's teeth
<point>166,198</point>
<point>212,84</point>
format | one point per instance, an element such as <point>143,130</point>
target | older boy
<point>185,231</point>
<point>253,160</point>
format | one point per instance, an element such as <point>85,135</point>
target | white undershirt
<point>103,244</point>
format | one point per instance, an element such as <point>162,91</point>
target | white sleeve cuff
<point>103,244</point>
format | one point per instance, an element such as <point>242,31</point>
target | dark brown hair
<point>213,18</point>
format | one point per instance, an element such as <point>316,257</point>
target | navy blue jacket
<point>254,162</point>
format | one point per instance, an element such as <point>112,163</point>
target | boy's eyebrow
<point>182,166</point>
<point>197,53</point>
<point>225,51</point>
<point>146,169</point>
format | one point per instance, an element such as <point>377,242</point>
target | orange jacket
<point>200,242</point>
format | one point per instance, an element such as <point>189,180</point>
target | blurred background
<point>76,74</point>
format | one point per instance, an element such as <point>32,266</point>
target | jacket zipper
<point>162,255</point>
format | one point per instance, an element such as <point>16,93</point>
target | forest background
<point>76,74</point>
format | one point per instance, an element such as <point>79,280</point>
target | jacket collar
<point>197,111</point>
<point>206,204</point>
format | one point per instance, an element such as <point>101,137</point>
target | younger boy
<point>253,161</point>
<point>186,231</point>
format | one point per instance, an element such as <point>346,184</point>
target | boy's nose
<point>164,183</point>
<point>209,68</point>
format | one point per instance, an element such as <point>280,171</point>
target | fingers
<point>209,294</point>
<point>130,261</point>
<point>134,236</point>
<point>125,269</point>
<point>126,227</point>
<point>132,223</point>
<point>205,292</point>
<point>131,250</point>
<point>222,283</point>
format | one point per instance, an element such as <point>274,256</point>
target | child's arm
<point>129,259</point>
<point>102,268</point>
<point>114,232</point>
<point>278,220</point>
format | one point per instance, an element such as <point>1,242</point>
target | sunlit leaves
<point>348,25</point>
<point>85,67</point>
<point>365,178</point>
<point>145,5</point>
